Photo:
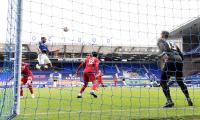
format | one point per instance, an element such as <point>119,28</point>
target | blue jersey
<point>56,76</point>
<point>43,47</point>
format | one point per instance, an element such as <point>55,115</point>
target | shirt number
<point>91,61</point>
<point>172,45</point>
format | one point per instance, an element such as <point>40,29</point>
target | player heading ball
<point>43,58</point>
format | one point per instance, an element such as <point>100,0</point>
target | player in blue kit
<point>55,76</point>
<point>43,58</point>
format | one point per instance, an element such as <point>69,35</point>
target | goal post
<point>18,59</point>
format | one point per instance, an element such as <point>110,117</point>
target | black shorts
<point>172,69</point>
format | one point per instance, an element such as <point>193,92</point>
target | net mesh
<point>7,68</point>
<point>125,34</point>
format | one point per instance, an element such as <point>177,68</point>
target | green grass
<point>6,101</point>
<point>114,103</point>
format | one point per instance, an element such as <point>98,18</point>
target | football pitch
<point>113,103</point>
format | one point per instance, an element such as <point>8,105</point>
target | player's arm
<point>97,66</point>
<point>30,79</point>
<point>79,67</point>
<point>180,53</point>
<point>163,50</point>
<point>39,47</point>
<point>57,50</point>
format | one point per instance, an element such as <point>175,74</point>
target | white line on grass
<point>103,111</point>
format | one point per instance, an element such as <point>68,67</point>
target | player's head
<point>164,34</point>
<point>94,54</point>
<point>88,55</point>
<point>43,39</point>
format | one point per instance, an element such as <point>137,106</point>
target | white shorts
<point>43,59</point>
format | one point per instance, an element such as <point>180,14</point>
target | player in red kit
<point>99,78</point>
<point>115,79</point>
<point>27,78</point>
<point>89,74</point>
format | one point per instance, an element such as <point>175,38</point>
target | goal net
<point>7,49</point>
<point>124,34</point>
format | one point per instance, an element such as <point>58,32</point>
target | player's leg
<point>21,89</point>
<point>115,82</point>
<point>30,86</point>
<point>124,82</point>
<point>41,61</point>
<point>94,85</point>
<point>55,83</point>
<point>86,79</point>
<point>38,66</point>
<point>100,81</point>
<point>82,90</point>
<point>185,91</point>
<point>47,62</point>
<point>163,83</point>
<point>170,83</point>
<point>179,79</point>
<point>95,82</point>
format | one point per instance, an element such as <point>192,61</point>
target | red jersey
<point>91,65</point>
<point>26,72</point>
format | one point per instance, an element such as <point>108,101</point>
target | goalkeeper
<point>173,66</point>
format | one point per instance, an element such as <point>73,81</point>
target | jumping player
<point>27,78</point>
<point>43,59</point>
<point>89,74</point>
<point>173,66</point>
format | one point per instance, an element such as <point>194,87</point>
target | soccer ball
<point>65,29</point>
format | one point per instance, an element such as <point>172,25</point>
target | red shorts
<point>88,77</point>
<point>25,79</point>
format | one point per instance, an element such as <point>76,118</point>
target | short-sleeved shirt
<point>56,76</point>
<point>26,72</point>
<point>43,47</point>
<point>91,64</point>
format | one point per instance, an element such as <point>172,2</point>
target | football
<point>65,29</point>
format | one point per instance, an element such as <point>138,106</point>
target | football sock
<point>30,88</point>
